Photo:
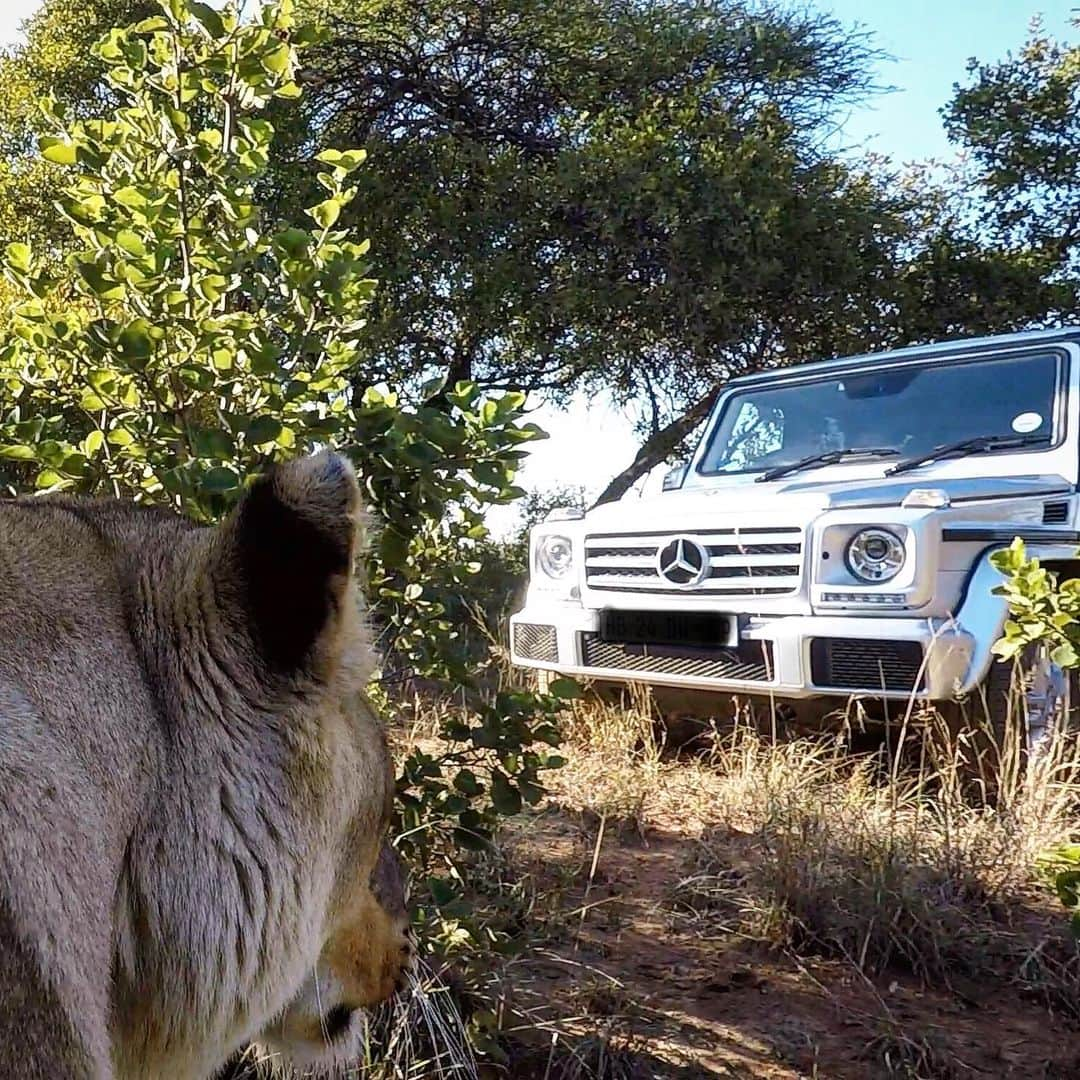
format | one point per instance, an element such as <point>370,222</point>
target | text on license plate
<point>701,629</point>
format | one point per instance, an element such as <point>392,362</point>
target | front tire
<point>1026,701</point>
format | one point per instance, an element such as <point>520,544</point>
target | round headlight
<point>875,555</point>
<point>555,556</point>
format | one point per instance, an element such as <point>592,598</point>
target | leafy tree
<point>1016,119</point>
<point>58,58</point>
<point>556,170</point>
<point>1019,119</point>
<point>1042,610</point>
<point>627,198</point>
<point>613,196</point>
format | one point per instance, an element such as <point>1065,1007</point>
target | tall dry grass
<point>898,860</point>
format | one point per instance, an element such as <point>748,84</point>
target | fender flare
<point>982,615</point>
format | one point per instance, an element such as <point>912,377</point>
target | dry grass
<point>615,759</point>
<point>893,866</point>
<point>919,859</point>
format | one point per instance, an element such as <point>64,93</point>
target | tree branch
<point>657,447</point>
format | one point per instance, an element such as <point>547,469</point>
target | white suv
<point>831,535</point>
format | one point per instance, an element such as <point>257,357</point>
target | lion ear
<point>292,540</point>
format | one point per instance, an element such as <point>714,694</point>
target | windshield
<point>910,409</point>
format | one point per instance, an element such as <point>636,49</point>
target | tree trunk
<point>458,370</point>
<point>657,447</point>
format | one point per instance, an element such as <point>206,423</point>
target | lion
<point>194,794</point>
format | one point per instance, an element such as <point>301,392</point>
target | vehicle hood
<point>798,499</point>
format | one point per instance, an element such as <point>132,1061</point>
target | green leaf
<point>220,479</point>
<point>130,197</point>
<point>49,478</point>
<point>326,213</point>
<point>209,18</point>
<point>107,288</point>
<point>17,453</point>
<point>18,257</point>
<point>504,796</point>
<point>465,781</point>
<point>565,689</point>
<point>211,287</point>
<point>1067,885</point>
<point>443,891</point>
<point>263,429</point>
<point>345,161</point>
<point>74,465</point>
<point>1064,655</point>
<point>103,380</point>
<point>276,60</point>
<point>135,342</point>
<point>294,242</point>
<point>150,25</point>
<point>210,140</point>
<point>56,150</point>
<point>131,242</point>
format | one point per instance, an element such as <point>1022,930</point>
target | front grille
<point>750,662</point>
<point>866,664</point>
<point>1055,513</point>
<point>536,642</point>
<point>748,561</point>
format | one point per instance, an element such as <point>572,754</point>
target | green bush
<point>1042,611</point>
<point>1045,612</point>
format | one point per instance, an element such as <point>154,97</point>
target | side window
<point>754,433</point>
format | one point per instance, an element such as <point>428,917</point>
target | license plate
<point>698,629</point>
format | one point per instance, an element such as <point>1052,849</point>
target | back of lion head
<point>238,780</point>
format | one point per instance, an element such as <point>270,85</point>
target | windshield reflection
<point>910,409</point>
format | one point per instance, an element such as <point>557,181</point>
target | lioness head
<point>259,899</point>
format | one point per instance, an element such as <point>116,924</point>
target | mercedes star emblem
<point>683,562</point>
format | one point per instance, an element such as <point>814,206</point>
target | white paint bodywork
<point>944,597</point>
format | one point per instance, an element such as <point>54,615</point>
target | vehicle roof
<point>908,352</point>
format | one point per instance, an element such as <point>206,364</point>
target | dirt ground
<point>633,982</point>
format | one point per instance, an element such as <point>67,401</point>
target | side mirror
<point>673,478</point>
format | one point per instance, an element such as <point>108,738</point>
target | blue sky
<point>930,41</point>
<point>11,14</point>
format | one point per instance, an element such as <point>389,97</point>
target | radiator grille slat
<point>533,641</point>
<point>756,560</point>
<point>866,664</point>
<point>749,662</point>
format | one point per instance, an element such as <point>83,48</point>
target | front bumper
<point>789,656</point>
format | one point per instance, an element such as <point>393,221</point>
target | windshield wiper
<point>978,445</point>
<point>828,457</point>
